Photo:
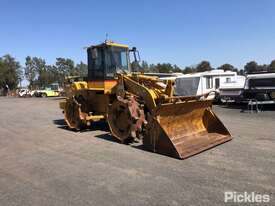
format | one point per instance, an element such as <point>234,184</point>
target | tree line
<point>250,67</point>
<point>37,71</point>
<point>40,74</point>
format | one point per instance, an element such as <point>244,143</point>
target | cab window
<point>95,63</point>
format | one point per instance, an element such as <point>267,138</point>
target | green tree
<point>226,67</point>
<point>176,69</point>
<point>30,71</point>
<point>241,72</point>
<point>82,69</point>
<point>271,67</point>
<point>41,70</point>
<point>262,68</point>
<point>203,66</point>
<point>164,67</point>
<point>10,72</point>
<point>152,68</point>
<point>251,67</point>
<point>189,70</point>
<point>36,71</point>
<point>66,66</point>
<point>145,66</point>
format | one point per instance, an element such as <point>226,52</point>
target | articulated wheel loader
<point>140,107</point>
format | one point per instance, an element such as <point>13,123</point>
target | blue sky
<point>180,32</point>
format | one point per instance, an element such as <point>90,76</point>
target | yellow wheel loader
<point>140,107</point>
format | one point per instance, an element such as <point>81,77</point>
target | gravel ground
<point>44,163</point>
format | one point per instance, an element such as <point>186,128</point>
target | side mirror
<point>94,53</point>
<point>136,54</point>
<point>138,57</point>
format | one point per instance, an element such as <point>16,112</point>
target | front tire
<point>125,118</point>
<point>43,95</point>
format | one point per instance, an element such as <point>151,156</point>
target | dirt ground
<point>44,163</point>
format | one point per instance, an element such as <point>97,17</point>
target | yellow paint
<point>110,43</point>
<point>79,85</point>
<point>105,85</point>
<point>113,44</point>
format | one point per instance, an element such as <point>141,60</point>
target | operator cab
<point>107,59</point>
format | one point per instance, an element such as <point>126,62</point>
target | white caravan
<point>260,87</point>
<point>232,91</point>
<point>203,82</point>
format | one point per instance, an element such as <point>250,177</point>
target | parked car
<point>23,92</point>
<point>26,93</point>
<point>53,90</point>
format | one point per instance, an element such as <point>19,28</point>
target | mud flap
<point>184,129</point>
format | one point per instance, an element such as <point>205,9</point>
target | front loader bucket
<point>184,129</point>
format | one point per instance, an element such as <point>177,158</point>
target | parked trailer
<point>203,83</point>
<point>254,89</point>
<point>260,87</point>
<point>233,91</point>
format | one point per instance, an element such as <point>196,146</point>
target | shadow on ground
<point>243,107</point>
<point>101,126</point>
<point>59,122</point>
<point>133,144</point>
<point>56,98</point>
<point>107,137</point>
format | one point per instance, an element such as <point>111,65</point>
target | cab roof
<point>110,43</point>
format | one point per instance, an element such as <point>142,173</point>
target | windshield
<point>116,61</point>
<point>54,87</point>
<point>105,62</point>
